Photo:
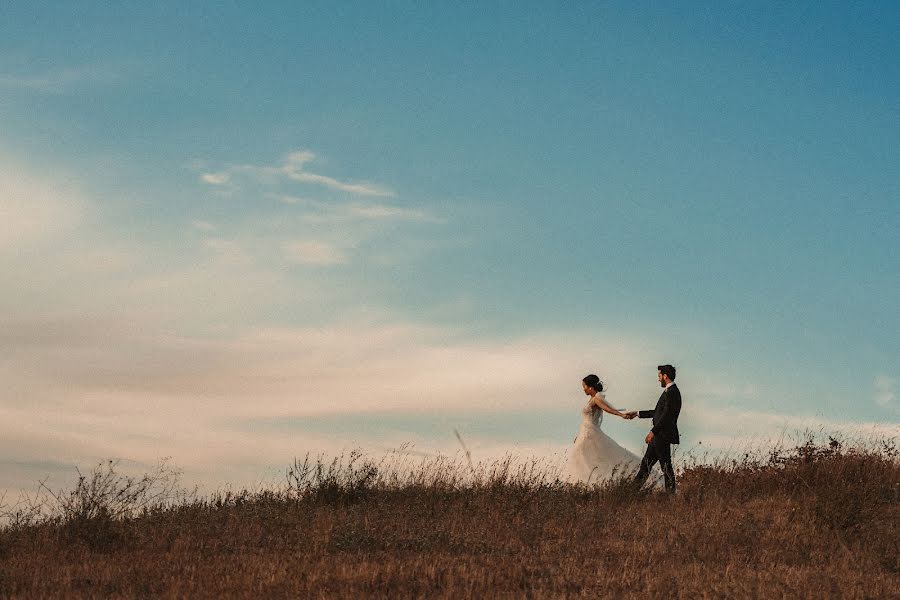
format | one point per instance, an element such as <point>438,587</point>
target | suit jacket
<point>665,415</point>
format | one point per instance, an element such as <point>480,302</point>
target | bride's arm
<point>602,405</point>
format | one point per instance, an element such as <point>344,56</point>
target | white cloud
<point>364,189</point>
<point>381,211</point>
<point>139,393</point>
<point>203,225</point>
<point>337,212</point>
<point>34,209</point>
<point>311,252</point>
<point>319,233</point>
<point>293,168</point>
<point>215,178</point>
<point>295,200</point>
<point>298,158</point>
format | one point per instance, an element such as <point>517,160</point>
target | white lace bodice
<point>593,416</point>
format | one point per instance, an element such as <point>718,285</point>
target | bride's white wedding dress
<point>595,456</point>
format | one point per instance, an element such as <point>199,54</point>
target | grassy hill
<point>810,522</point>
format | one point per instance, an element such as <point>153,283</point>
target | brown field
<point>811,522</point>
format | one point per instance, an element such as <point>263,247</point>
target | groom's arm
<point>645,414</point>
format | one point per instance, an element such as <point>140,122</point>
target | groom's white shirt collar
<point>670,384</point>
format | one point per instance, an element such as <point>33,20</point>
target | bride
<point>595,456</point>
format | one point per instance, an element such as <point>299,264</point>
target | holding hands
<point>631,415</point>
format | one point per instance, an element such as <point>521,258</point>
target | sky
<point>232,235</point>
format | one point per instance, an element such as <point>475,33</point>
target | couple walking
<point>595,456</point>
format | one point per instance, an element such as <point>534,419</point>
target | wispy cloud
<point>294,168</point>
<point>322,212</point>
<point>319,233</point>
<point>312,252</point>
<point>34,209</point>
<point>57,81</point>
<point>215,178</point>
<point>203,225</point>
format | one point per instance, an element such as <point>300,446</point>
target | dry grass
<point>818,520</point>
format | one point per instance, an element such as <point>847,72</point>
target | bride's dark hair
<point>592,381</point>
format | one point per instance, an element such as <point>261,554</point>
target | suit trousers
<point>658,450</point>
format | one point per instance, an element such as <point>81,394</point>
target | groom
<point>665,429</point>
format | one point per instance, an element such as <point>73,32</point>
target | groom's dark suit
<point>665,433</point>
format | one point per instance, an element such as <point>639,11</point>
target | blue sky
<point>302,226</point>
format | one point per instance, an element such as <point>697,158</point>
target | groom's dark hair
<point>668,371</point>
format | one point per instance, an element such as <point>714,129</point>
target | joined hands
<point>630,415</point>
